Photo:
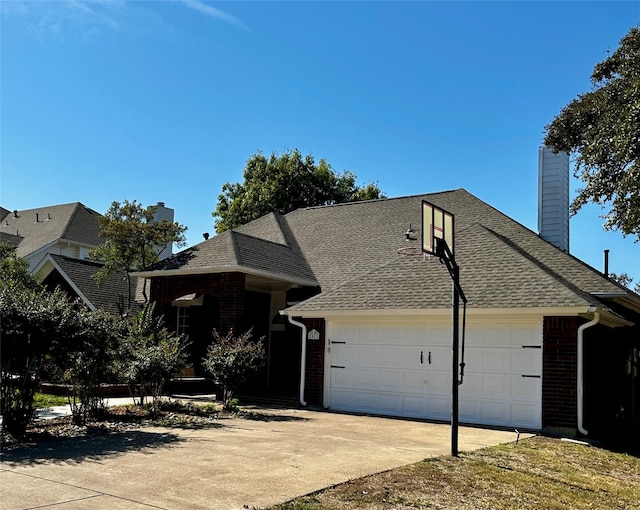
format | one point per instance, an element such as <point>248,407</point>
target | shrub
<point>231,359</point>
<point>150,354</point>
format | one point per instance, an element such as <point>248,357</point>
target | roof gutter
<point>580,375</point>
<point>303,355</point>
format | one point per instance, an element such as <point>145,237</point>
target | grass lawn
<point>536,473</point>
<point>44,400</point>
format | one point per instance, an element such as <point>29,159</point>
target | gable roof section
<point>78,274</point>
<point>71,222</point>
<point>236,251</point>
<point>269,228</point>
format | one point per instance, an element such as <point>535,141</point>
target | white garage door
<point>406,371</point>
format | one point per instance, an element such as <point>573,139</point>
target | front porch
<point>195,305</point>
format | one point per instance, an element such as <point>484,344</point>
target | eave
<point>303,282</point>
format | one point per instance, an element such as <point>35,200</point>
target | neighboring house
<point>377,325</point>
<point>68,229</point>
<point>56,240</point>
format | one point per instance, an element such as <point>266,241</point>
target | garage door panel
<point>414,381</point>
<point>525,361</point>
<point>495,387</point>
<point>494,412</point>
<point>522,388</point>
<point>385,373</point>
<point>439,408</point>
<point>492,360</point>
<point>438,383</point>
<point>525,416</point>
<point>414,405</point>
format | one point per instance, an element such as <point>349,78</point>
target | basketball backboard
<point>436,224</point>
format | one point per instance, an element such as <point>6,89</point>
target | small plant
<point>230,360</point>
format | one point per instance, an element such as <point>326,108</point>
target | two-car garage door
<point>406,371</point>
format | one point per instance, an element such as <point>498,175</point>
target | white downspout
<point>596,319</point>
<point>303,355</point>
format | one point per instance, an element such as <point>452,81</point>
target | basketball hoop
<point>412,251</point>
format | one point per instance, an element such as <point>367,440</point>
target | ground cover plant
<point>536,473</point>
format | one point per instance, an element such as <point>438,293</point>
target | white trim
<point>419,312</point>
<point>226,269</point>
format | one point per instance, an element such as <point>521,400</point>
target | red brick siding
<point>314,380</point>
<point>228,288</point>
<point>559,372</point>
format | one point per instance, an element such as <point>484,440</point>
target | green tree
<point>33,321</point>
<point>14,271</point>
<point>601,129</point>
<point>150,354</point>
<point>281,184</point>
<point>86,357</point>
<point>134,240</point>
<point>231,360</point>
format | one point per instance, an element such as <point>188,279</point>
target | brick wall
<point>559,372</point>
<point>314,380</point>
<point>227,288</point>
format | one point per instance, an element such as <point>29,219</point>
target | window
<point>182,326</point>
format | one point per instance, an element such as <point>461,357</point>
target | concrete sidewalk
<point>277,455</point>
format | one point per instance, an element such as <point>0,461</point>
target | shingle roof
<point>81,272</point>
<point>72,222</point>
<point>235,250</point>
<point>351,251</point>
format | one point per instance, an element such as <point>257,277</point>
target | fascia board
<point>474,316</point>
<point>226,269</point>
<point>532,311</point>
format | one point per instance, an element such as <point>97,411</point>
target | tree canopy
<point>601,129</point>
<point>134,239</point>
<point>283,183</point>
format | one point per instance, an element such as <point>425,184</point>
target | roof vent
<point>15,213</point>
<point>37,218</point>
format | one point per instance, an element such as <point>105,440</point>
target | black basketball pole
<point>447,258</point>
<point>455,343</point>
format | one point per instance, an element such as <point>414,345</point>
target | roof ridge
<point>386,199</point>
<point>71,218</point>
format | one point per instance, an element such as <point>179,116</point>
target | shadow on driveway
<point>93,447</point>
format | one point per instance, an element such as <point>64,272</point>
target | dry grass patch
<point>537,473</point>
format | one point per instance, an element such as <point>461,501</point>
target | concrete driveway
<point>259,462</point>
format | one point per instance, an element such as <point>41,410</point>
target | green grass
<point>44,400</point>
<point>537,473</point>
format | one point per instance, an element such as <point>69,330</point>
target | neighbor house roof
<point>351,251</point>
<point>43,226</point>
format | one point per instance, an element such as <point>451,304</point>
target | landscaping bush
<point>231,359</point>
<point>150,354</point>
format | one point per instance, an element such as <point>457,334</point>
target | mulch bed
<point>119,419</point>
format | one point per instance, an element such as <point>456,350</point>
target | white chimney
<point>553,197</point>
<point>164,213</point>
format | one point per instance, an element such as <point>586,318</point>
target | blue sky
<point>165,101</point>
